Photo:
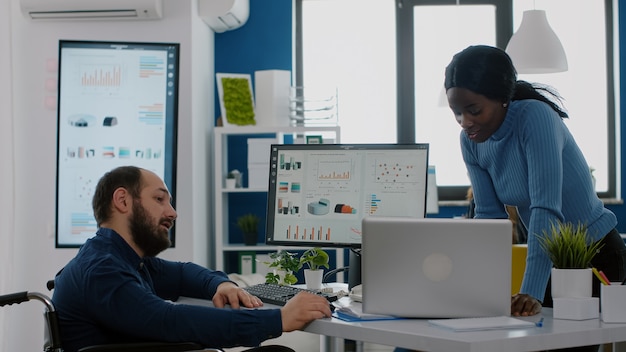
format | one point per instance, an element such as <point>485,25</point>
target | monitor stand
<point>354,273</point>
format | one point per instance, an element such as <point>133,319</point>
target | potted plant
<point>314,259</point>
<point>571,250</point>
<point>285,264</point>
<point>231,180</point>
<point>249,225</point>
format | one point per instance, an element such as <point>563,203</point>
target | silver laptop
<point>436,268</point>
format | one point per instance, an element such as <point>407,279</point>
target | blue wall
<point>265,42</point>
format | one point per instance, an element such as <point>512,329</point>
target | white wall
<point>34,51</point>
<point>6,170</point>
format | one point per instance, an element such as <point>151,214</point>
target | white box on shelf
<point>271,88</point>
<point>613,300</point>
<point>258,175</point>
<point>247,263</point>
<point>576,308</point>
<point>259,150</point>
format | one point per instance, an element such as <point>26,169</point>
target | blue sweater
<point>533,163</point>
<point>108,294</point>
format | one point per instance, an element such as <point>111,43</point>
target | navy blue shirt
<point>108,294</point>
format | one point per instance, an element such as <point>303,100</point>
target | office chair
<point>52,337</point>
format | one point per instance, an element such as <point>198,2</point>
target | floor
<point>306,342</point>
<point>370,347</point>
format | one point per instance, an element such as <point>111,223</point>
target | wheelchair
<point>52,337</point>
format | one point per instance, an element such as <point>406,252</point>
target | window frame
<point>406,73</point>
<point>406,122</point>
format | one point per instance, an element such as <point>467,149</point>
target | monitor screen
<point>319,193</point>
<point>117,105</point>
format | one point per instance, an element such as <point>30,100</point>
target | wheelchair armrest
<point>147,347</point>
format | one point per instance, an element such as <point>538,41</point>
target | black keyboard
<point>279,294</point>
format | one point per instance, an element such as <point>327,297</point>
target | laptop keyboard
<point>280,294</point>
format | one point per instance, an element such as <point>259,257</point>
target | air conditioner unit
<point>224,15</point>
<point>92,9</point>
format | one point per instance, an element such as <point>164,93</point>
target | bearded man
<point>117,291</point>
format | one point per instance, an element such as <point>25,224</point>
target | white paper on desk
<point>486,323</point>
<point>355,309</point>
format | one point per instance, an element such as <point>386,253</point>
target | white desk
<point>418,334</point>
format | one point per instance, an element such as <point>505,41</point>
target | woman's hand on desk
<point>235,296</point>
<point>302,309</point>
<point>524,305</point>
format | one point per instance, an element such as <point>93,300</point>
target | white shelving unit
<point>222,243</point>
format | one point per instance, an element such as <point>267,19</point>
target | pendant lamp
<point>535,48</point>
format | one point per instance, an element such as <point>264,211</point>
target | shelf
<point>270,129</point>
<point>222,196</point>
<point>243,190</point>
<point>260,247</point>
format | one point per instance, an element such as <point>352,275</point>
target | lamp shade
<point>535,48</point>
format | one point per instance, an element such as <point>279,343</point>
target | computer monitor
<point>319,193</point>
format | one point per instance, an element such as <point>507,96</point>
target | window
<point>360,50</point>
<point>356,54</point>
<point>588,92</point>
<point>438,33</point>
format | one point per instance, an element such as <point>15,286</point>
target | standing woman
<point>518,152</point>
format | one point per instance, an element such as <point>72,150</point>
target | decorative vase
<point>231,183</point>
<point>568,283</point>
<point>313,279</point>
<point>250,239</point>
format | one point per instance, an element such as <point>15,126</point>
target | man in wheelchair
<point>117,291</point>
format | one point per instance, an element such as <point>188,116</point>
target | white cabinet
<point>223,244</point>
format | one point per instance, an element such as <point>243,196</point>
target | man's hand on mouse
<point>302,309</point>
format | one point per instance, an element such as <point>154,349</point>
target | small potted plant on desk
<point>571,250</point>
<point>314,259</point>
<point>249,224</point>
<point>285,264</point>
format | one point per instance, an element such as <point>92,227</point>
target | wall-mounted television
<point>117,105</point>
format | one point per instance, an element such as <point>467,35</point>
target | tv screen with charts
<point>117,105</point>
<point>319,193</point>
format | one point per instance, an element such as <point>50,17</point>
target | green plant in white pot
<point>571,250</point>
<point>314,259</point>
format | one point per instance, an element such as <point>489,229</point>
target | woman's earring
<point>505,105</point>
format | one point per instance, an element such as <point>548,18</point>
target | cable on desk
<point>333,272</point>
